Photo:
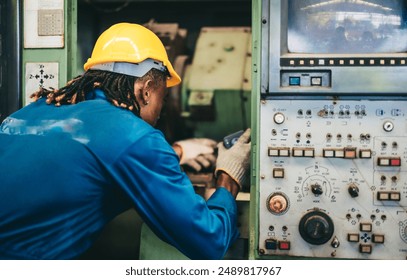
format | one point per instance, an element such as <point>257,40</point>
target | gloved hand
<point>204,161</point>
<point>236,160</point>
<point>197,153</point>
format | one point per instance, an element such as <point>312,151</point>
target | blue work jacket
<point>67,171</point>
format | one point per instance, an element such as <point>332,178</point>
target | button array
<point>347,153</point>
<point>279,152</point>
<point>389,161</point>
<point>274,244</point>
<point>303,152</point>
<point>388,196</point>
<point>365,237</point>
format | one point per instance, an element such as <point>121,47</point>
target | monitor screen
<point>347,26</point>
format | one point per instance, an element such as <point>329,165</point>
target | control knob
<point>353,190</point>
<point>316,189</point>
<point>316,227</point>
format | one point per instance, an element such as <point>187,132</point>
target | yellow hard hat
<point>130,49</point>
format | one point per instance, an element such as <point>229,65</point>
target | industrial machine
<point>214,102</point>
<point>329,114</point>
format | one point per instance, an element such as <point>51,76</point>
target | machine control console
<point>333,179</point>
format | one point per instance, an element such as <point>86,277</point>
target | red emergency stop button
<point>284,245</point>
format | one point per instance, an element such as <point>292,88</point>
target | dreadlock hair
<point>118,88</point>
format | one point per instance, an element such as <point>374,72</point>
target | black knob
<point>316,189</point>
<point>353,190</point>
<point>316,227</point>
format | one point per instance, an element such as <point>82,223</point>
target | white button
<point>366,227</point>
<point>395,196</point>
<point>309,153</point>
<point>378,238</point>
<point>273,152</point>
<point>328,153</point>
<point>383,196</point>
<point>278,173</point>
<point>284,153</point>
<point>353,237</point>
<point>279,118</point>
<point>339,153</point>
<point>384,162</point>
<point>365,153</point>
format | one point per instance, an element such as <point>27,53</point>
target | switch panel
<point>333,178</point>
<point>43,24</point>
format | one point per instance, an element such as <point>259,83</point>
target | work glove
<point>236,160</point>
<point>197,153</point>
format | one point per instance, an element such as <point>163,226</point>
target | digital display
<point>347,26</point>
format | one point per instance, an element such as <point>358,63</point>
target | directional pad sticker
<point>40,75</point>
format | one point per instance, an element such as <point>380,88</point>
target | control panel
<point>333,179</point>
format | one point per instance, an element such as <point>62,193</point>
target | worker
<point>80,155</point>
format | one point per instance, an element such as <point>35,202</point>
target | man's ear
<point>142,91</point>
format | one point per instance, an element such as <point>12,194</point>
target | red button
<point>284,245</point>
<point>395,162</point>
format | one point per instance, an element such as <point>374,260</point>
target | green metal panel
<point>255,99</point>
<point>65,57</point>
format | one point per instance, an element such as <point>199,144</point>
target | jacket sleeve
<point>163,195</point>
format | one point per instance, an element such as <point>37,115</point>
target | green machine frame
<point>255,99</point>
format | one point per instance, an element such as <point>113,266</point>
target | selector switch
<point>316,189</point>
<point>353,190</point>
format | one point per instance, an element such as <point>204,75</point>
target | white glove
<point>192,149</point>
<point>236,160</point>
<point>204,161</point>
